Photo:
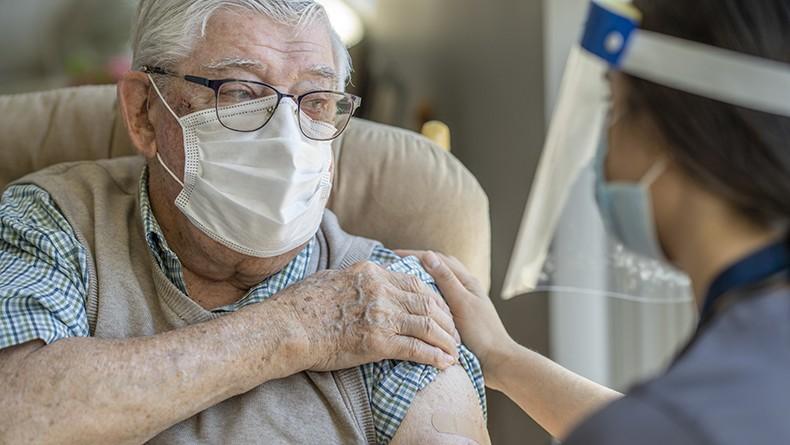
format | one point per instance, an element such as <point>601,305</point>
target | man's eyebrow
<point>234,62</point>
<point>323,71</point>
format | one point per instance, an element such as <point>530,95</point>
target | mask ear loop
<point>158,157</point>
<point>654,173</point>
<point>656,170</point>
<point>613,119</point>
<point>167,169</point>
<point>162,98</point>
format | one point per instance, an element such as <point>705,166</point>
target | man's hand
<point>366,314</point>
<point>556,398</point>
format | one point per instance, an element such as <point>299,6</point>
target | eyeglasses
<point>323,114</point>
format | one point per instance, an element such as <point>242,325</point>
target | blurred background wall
<point>490,69</point>
<point>54,43</point>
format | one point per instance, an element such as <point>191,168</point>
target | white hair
<point>165,30</point>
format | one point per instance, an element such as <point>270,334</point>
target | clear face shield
<point>562,244</point>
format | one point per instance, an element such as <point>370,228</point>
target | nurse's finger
<point>408,252</point>
<point>466,278</point>
<point>463,275</point>
<point>455,293</point>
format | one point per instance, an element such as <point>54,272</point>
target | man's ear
<point>133,91</point>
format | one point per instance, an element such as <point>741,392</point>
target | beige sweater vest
<point>129,296</point>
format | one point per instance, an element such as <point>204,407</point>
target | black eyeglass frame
<point>216,84</point>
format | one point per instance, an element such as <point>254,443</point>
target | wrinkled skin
<point>126,391</point>
<point>382,316</point>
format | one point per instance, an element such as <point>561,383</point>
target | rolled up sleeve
<point>393,385</point>
<point>43,270</point>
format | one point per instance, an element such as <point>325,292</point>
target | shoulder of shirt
<point>727,351</point>
<point>741,356</point>
<point>638,419</point>
<point>22,202</point>
<point>391,261</point>
<point>32,224</point>
<point>26,209</point>
<point>16,192</point>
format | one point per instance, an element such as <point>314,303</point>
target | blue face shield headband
<point>562,245</point>
<point>612,34</point>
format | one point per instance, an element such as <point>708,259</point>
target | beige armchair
<point>391,185</point>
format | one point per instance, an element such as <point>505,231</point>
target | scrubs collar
<point>754,269</point>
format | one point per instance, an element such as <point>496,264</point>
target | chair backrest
<point>390,184</point>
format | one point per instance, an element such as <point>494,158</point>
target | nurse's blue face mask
<point>626,208</point>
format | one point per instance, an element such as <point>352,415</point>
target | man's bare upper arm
<point>446,412</point>
<point>13,355</point>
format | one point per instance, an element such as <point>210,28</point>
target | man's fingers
<point>414,285</point>
<point>427,330</point>
<point>415,350</point>
<point>426,305</point>
<point>468,280</point>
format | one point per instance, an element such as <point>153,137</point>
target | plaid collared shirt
<point>43,286</point>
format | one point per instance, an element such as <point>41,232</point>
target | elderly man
<point>174,297</point>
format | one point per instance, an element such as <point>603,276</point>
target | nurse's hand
<point>475,317</point>
<point>555,397</point>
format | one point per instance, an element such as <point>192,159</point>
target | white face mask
<point>261,193</point>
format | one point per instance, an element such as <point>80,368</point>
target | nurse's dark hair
<point>739,154</point>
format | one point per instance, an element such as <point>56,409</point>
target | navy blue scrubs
<point>731,385</point>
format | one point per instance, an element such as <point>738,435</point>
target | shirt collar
<point>751,270</point>
<point>168,261</point>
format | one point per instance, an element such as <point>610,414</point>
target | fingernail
<point>448,360</point>
<point>431,260</point>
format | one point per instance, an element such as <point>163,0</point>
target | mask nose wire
<point>293,105</point>
<point>158,157</point>
<point>293,112</point>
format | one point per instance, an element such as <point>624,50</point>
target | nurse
<point>693,170</point>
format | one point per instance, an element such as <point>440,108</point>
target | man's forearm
<point>88,390</point>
